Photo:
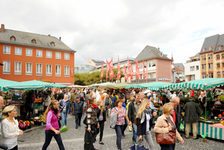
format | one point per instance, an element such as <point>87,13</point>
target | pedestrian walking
<point>64,109</point>
<point>9,128</point>
<point>165,124</point>
<point>101,116</point>
<point>52,125</point>
<point>144,120</point>
<point>78,111</point>
<point>176,112</point>
<point>92,125</point>
<point>132,111</point>
<point>191,116</point>
<point>121,115</point>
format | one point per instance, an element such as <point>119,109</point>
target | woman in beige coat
<point>163,126</point>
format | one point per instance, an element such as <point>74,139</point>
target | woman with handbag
<point>144,121</point>
<point>165,129</point>
<point>52,125</point>
<point>121,115</point>
<point>9,128</point>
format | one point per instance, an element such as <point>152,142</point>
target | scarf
<point>146,111</point>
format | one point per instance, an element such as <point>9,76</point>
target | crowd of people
<point>131,110</point>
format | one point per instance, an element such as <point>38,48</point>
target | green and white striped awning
<point>150,86</point>
<point>205,83</point>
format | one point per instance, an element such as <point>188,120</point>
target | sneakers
<point>101,143</point>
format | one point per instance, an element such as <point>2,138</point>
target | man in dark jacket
<point>191,115</point>
<point>176,112</point>
<point>78,110</point>
<point>132,111</point>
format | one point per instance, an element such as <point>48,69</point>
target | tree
<point>94,77</point>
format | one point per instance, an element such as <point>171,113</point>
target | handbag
<point>166,138</point>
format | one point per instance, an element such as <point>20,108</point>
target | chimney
<point>59,38</point>
<point>2,28</point>
<point>49,35</point>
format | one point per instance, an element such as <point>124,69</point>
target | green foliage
<point>94,77</point>
<point>221,98</point>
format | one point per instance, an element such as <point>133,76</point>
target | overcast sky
<point>101,29</point>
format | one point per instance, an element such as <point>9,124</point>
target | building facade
<point>178,73</point>
<point>212,57</point>
<point>158,67</point>
<point>29,56</point>
<point>82,68</point>
<point>193,68</point>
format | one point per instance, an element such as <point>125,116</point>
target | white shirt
<point>10,132</point>
<point>147,122</point>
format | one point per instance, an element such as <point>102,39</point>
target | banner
<point>118,70</point>
<point>137,70</point>
<point>102,70</point>
<point>125,71</point>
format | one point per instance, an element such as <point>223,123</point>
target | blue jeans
<point>64,118</point>
<point>134,129</point>
<point>118,129</point>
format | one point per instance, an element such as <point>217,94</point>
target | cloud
<point>103,29</point>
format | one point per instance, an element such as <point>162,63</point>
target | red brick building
<point>158,67</point>
<point>28,56</point>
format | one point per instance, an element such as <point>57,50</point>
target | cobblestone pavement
<point>74,140</point>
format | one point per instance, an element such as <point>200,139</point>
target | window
<point>29,52</point>
<point>210,75</point>
<point>210,56</point>
<point>34,41</point>
<point>218,65</point>
<point>197,67</point>
<point>18,67</point>
<point>52,43</point>
<point>67,72</point>
<point>218,74</point>
<point>58,70</point>
<point>58,55</point>
<point>203,66</point>
<point>28,68</point>
<point>7,50</point>
<point>49,70</point>
<point>223,65</point>
<point>18,51</point>
<point>210,66</point>
<point>66,56</point>
<point>6,67</point>
<point>217,57</point>
<point>203,57</point>
<point>39,69</point>
<point>39,53</point>
<point>49,54</point>
<point>223,56</point>
<point>203,75</point>
<point>191,68</point>
<point>223,74</point>
<point>12,38</point>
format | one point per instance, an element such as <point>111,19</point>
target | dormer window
<point>210,48</point>
<point>220,47</point>
<point>52,43</point>
<point>34,41</point>
<point>12,38</point>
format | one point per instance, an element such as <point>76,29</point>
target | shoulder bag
<point>167,138</point>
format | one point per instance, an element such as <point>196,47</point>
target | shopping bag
<point>181,126</point>
<point>138,147</point>
<point>63,129</point>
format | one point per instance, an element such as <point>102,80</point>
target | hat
<point>78,96</point>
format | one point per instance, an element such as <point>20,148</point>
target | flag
<point>108,68</point>
<point>144,73</point>
<point>125,71</point>
<point>118,70</point>
<point>111,69</point>
<point>132,73</point>
<point>129,68</point>
<point>137,70</point>
<point>102,70</point>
